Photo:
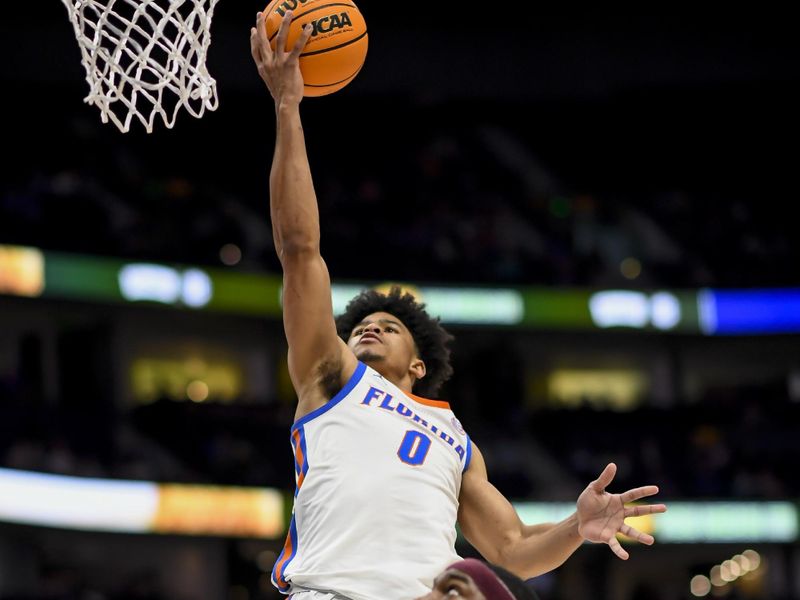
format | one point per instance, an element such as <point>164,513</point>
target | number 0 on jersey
<point>414,448</point>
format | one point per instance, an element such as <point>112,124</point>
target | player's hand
<point>279,69</point>
<point>601,516</point>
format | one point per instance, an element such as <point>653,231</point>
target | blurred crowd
<point>741,445</point>
<point>470,200</point>
<point>61,583</point>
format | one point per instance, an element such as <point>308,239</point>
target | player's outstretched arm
<point>318,360</point>
<point>490,523</point>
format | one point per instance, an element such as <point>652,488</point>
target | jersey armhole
<point>348,387</point>
<point>469,455</point>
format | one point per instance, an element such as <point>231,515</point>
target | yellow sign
<point>208,510</point>
<point>21,271</point>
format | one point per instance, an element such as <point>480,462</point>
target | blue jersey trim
<point>299,445</point>
<point>280,575</point>
<point>351,383</point>
<point>304,466</point>
<point>297,466</point>
<point>469,455</point>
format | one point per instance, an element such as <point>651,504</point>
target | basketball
<point>336,50</point>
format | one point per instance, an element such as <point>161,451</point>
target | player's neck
<point>405,381</point>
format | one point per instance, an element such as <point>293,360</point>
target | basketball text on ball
<point>287,5</point>
<point>326,24</point>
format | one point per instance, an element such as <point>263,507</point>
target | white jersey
<point>378,477</point>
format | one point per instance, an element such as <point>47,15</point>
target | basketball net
<point>145,58</point>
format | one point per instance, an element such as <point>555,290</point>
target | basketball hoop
<point>145,58</point>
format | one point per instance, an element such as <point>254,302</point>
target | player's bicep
<point>487,519</point>
<point>308,317</point>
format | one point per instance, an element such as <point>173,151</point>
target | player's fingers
<point>644,509</point>
<point>605,478</point>
<point>255,47</point>
<point>617,548</point>
<point>261,35</point>
<point>283,32</point>
<point>635,534</point>
<point>640,492</point>
<point>302,39</point>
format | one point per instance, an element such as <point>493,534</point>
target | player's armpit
<point>318,358</point>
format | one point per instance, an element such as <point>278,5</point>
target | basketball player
<point>383,473</point>
<point>473,579</point>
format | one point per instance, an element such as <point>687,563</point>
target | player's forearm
<point>293,203</point>
<point>543,547</point>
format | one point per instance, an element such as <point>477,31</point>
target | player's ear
<point>417,368</point>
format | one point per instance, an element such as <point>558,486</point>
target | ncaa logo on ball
<point>331,22</point>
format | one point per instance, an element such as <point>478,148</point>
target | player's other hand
<point>279,69</point>
<point>601,516</point>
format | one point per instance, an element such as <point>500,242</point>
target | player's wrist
<point>288,103</point>
<point>287,106</point>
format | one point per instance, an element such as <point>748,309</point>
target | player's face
<point>452,584</point>
<point>382,341</point>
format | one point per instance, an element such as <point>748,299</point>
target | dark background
<point>688,119</point>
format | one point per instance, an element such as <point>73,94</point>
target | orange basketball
<point>336,50</point>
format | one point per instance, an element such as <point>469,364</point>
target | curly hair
<point>430,338</point>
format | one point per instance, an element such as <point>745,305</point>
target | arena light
<point>634,309</point>
<point>21,271</point>
<point>617,389</point>
<point>155,283</point>
<point>31,272</point>
<point>475,306</point>
<point>531,513</point>
<point>619,308</point>
<point>159,283</point>
<point>196,288</point>
<point>707,311</point>
<point>341,294</point>
<point>696,522</point>
<point>197,375</point>
<point>70,502</point>
<point>139,506</point>
<point>665,311</point>
<point>700,586</point>
<point>745,566</point>
<point>719,522</point>
<point>750,312</point>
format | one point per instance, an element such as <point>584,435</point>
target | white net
<point>145,58</point>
